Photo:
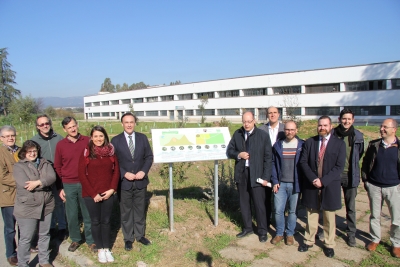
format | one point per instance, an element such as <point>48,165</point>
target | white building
<point>371,91</point>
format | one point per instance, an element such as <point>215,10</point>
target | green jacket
<point>48,147</point>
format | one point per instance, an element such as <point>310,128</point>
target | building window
<point>368,110</point>
<point>114,102</point>
<point>167,98</point>
<point>206,94</point>
<point>322,88</point>
<point>105,114</point>
<point>293,111</point>
<point>285,90</point>
<point>163,113</point>
<point>330,111</point>
<point>229,112</point>
<point>152,113</point>
<point>152,99</point>
<point>185,97</point>
<point>189,112</point>
<point>105,103</point>
<point>366,86</point>
<point>231,93</point>
<point>88,104</point>
<point>96,104</point>
<point>97,114</point>
<point>255,91</point>
<point>395,110</point>
<point>125,101</point>
<point>395,83</point>
<point>138,100</point>
<point>207,112</point>
<point>112,114</point>
<point>139,113</point>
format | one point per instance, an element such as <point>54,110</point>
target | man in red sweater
<point>66,162</point>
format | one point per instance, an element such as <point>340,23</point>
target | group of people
<point>47,181</point>
<point>272,164</point>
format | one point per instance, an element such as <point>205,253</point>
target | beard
<point>323,133</point>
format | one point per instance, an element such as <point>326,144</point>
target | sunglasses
<point>44,124</point>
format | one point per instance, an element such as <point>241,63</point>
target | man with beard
<point>48,139</point>
<point>354,141</point>
<point>322,162</point>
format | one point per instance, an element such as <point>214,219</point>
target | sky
<point>68,48</point>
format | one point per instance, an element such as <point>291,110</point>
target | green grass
<point>216,244</point>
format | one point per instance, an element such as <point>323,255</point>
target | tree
<point>136,86</point>
<point>50,111</point>
<point>131,110</point>
<point>24,109</point>
<point>7,78</point>
<point>118,88</point>
<point>107,86</point>
<point>202,107</point>
<point>124,87</point>
<point>291,103</point>
<point>175,83</point>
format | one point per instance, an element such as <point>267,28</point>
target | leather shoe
<point>351,241</point>
<point>73,246</point>
<point>13,261</point>
<point>396,252</point>
<point>144,241</point>
<point>329,252</point>
<point>304,247</point>
<point>128,245</point>
<point>372,246</point>
<point>93,248</point>
<point>290,240</point>
<point>243,233</point>
<point>263,238</point>
<point>277,239</point>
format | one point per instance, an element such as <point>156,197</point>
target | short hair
<point>272,107</point>
<point>346,111</point>
<point>7,128</point>
<point>44,116</point>
<point>289,121</point>
<point>101,129</point>
<point>130,114</point>
<point>394,122</point>
<point>28,144</point>
<point>251,112</point>
<point>67,120</point>
<point>325,117</point>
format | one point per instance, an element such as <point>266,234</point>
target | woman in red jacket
<point>99,176</point>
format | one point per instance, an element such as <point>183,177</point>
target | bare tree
<point>202,107</point>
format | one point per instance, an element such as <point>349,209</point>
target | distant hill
<point>63,102</point>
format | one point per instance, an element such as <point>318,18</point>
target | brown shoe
<point>276,239</point>
<point>13,261</point>
<point>46,265</point>
<point>93,248</point>
<point>396,252</point>
<point>372,246</point>
<point>73,246</point>
<point>290,240</point>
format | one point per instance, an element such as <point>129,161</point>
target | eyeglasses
<point>247,122</point>
<point>386,127</point>
<point>9,136</point>
<point>32,151</point>
<point>44,124</point>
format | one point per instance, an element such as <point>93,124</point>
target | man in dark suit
<point>322,162</point>
<point>135,158</point>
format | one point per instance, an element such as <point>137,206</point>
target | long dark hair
<point>101,129</point>
<point>28,144</point>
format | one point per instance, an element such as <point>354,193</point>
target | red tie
<point>322,150</point>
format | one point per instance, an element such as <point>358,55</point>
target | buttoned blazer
<point>333,165</point>
<point>142,160</point>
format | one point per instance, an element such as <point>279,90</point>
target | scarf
<point>104,151</point>
<point>342,133</point>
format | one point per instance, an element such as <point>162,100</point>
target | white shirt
<point>273,133</point>
<point>127,138</point>
<point>326,141</point>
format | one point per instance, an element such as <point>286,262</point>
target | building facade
<point>372,91</point>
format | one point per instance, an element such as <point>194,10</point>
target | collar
<point>269,126</point>
<point>11,149</point>
<point>385,145</point>
<point>126,134</point>
<point>327,137</point>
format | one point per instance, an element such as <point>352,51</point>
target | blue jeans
<point>285,194</point>
<point>9,231</point>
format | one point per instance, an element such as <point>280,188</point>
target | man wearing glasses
<point>48,139</point>
<point>8,156</point>
<point>251,149</point>
<point>380,172</point>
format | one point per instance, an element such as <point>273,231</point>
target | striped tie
<point>131,145</point>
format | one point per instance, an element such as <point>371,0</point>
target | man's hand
<point>244,155</point>
<point>317,183</point>
<point>140,175</point>
<point>130,176</point>
<point>62,195</point>
<point>276,188</point>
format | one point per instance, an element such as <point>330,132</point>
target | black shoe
<point>329,252</point>
<point>128,245</point>
<point>144,241</point>
<point>351,241</point>
<point>263,238</point>
<point>243,233</point>
<point>304,247</point>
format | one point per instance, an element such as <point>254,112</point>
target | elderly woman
<point>34,203</point>
<point>99,175</point>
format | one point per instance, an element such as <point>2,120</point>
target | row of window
<point>309,89</point>
<point>311,111</point>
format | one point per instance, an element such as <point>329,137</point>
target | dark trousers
<point>269,197</point>
<point>133,217</point>
<point>257,194</point>
<point>350,194</point>
<point>9,231</point>
<point>100,216</point>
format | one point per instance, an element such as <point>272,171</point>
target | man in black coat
<point>251,149</point>
<point>135,158</point>
<point>322,162</point>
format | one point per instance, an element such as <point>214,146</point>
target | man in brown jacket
<point>8,156</point>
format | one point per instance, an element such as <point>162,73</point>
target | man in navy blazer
<point>135,158</point>
<point>322,162</point>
